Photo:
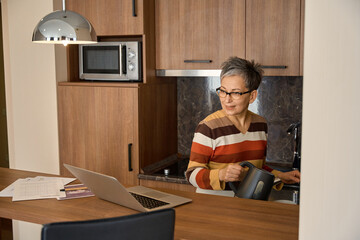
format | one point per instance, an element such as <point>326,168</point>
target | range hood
<point>188,73</point>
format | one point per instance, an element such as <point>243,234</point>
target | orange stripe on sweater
<point>240,147</point>
<point>201,149</point>
<point>240,156</point>
<point>203,179</point>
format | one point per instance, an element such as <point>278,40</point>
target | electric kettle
<point>257,184</point>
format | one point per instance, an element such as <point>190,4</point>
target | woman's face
<point>236,106</point>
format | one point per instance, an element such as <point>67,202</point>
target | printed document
<point>36,188</point>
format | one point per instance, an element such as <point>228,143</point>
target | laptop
<point>138,198</point>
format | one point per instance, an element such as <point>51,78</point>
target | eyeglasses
<point>234,95</point>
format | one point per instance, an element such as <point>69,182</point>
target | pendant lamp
<point>64,27</point>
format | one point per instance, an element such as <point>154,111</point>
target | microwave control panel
<point>131,62</point>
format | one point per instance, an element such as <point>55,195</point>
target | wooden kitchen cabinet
<point>116,129</point>
<point>113,20</point>
<point>115,17</point>
<point>198,34</point>
<point>96,126</point>
<point>273,35</point>
<point>267,31</point>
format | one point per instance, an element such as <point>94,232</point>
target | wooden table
<point>207,217</point>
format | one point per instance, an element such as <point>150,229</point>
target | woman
<point>231,135</point>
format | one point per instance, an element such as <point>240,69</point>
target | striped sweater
<point>217,142</point>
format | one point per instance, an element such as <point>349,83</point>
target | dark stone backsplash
<point>279,101</point>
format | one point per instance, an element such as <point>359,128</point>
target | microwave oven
<point>111,61</point>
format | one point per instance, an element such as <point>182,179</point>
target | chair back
<point>147,225</point>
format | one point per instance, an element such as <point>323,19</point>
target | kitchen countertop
<point>177,166</point>
<point>163,178</point>
<point>174,164</point>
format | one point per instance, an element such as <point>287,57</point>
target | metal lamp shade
<point>64,27</point>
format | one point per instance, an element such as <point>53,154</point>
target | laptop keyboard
<point>148,202</point>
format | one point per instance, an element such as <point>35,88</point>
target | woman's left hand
<point>290,177</point>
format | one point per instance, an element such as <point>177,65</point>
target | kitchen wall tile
<point>196,100</point>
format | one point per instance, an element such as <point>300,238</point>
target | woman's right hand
<point>233,172</point>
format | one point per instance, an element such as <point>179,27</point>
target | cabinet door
<point>96,126</point>
<point>273,35</point>
<point>111,17</point>
<point>198,34</point>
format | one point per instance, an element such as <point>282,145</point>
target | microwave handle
<point>123,60</point>
<point>134,8</point>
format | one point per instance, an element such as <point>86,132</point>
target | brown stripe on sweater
<point>203,129</point>
<point>257,127</point>
<point>225,131</point>
<point>219,120</point>
<point>216,132</point>
<point>200,158</point>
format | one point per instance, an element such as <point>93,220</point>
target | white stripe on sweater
<point>192,178</point>
<point>228,139</point>
<point>239,137</point>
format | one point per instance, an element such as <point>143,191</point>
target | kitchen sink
<point>288,194</point>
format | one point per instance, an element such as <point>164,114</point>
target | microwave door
<point>101,62</point>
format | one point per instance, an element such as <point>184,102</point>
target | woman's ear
<point>253,96</point>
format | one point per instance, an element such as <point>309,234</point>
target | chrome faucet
<point>294,129</point>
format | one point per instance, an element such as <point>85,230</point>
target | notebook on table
<point>139,198</point>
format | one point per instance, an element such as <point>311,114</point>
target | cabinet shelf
<point>100,84</point>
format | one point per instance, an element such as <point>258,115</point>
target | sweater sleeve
<point>198,172</point>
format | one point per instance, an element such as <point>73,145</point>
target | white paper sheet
<point>9,190</point>
<point>39,189</point>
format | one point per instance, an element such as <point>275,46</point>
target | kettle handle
<point>243,164</point>
<point>247,164</point>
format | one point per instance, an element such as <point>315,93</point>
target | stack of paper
<point>36,188</point>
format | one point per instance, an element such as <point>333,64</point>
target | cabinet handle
<point>197,61</point>
<point>129,156</point>
<point>134,8</point>
<point>282,67</point>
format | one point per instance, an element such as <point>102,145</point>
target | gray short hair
<point>249,70</point>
